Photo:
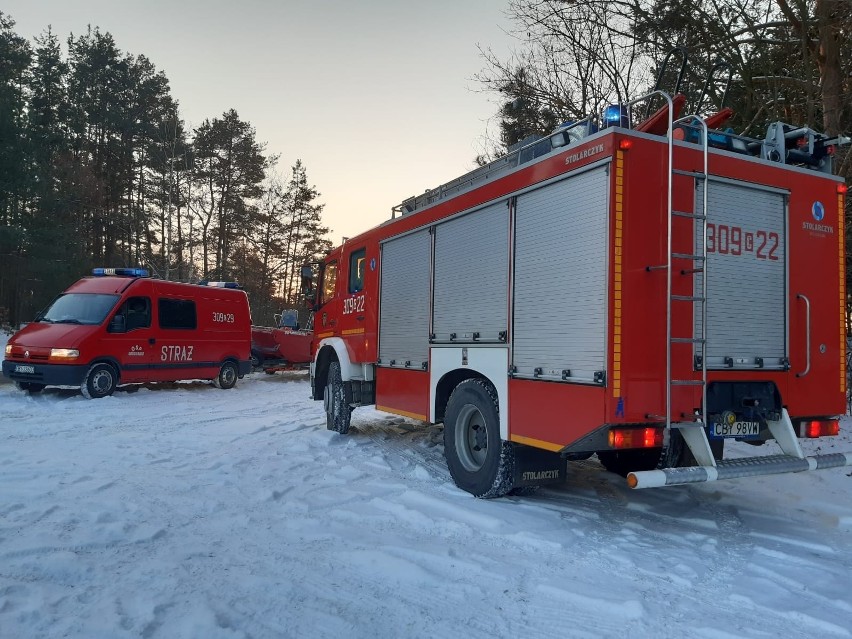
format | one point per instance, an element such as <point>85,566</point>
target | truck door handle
<point>807,335</point>
<point>151,340</point>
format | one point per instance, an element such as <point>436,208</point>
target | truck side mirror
<point>117,324</point>
<point>307,278</point>
<point>309,289</point>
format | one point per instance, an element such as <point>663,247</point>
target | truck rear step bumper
<point>733,468</point>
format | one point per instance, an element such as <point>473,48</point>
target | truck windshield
<point>79,308</point>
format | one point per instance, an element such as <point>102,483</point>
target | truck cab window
<point>137,313</point>
<point>329,280</point>
<point>357,264</point>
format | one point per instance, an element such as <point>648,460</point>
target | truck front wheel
<point>338,412</point>
<point>479,461</point>
<point>100,381</point>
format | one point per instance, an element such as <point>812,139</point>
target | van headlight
<point>64,353</point>
<point>8,350</point>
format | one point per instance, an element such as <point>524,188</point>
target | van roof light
<point>121,272</point>
<point>220,284</point>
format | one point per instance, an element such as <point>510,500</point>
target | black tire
<point>479,461</point>
<point>622,462</point>
<point>256,359</point>
<point>338,412</point>
<point>100,381</point>
<point>29,387</point>
<point>227,376</point>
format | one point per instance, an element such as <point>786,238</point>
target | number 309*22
<point>733,240</point>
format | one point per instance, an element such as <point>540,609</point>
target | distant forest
<point>97,168</point>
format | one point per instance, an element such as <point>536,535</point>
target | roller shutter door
<point>746,276</point>
<point>560,287</point>
<point>404,312</point>
<point>471,277</point>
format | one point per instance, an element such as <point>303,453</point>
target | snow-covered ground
<point>187,511</point>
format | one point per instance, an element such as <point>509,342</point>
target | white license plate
<point>21,368</point>
<point>737,429</point>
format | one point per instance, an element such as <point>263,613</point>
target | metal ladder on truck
<point>692,431</point>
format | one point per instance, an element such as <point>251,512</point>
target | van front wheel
<point>227,376</point>
<point>100,381</point>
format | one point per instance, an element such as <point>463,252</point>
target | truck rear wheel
<point>479,461</point>
<point>227,376</point>
<point>338,412</point>
<point>100,381</point>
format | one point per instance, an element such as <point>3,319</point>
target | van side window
<point>329,279</point>
<point>137,313</point>
<point>176,313</point>
<point>357,264</point>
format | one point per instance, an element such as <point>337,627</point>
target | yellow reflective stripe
<point>536,443</point>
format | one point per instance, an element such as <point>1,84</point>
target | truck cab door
<point>132,346</point>
<point>327,316</point>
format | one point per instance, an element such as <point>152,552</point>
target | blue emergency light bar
<point>616,115</point>
<point>121,272</point>
<point>220,284</point>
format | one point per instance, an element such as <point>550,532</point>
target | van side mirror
<point>117,324</point>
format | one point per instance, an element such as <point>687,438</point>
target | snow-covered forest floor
<point>187,511</point>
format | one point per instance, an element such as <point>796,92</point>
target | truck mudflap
<point>733,468</point>
<point>536,467</point>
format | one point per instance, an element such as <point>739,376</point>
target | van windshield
<point>79,308</point>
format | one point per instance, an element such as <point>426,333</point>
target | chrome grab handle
<point>807,335</point>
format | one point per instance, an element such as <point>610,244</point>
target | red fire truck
<point>643,292</point>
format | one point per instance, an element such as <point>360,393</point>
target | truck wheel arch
<point>447,384</point>
<point>329,350</point>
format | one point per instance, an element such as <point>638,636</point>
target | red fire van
<point>120,327</point>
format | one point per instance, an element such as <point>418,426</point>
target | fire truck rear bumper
<point>47,374</point>
<point>733,468</point>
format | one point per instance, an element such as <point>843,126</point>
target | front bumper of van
<point>47,374</point>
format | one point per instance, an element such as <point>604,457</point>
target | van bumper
<point>47,374</point>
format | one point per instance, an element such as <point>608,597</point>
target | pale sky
<point>375,96</point>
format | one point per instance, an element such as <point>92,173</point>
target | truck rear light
<point>636,438</point>
<point>819,428</point>
<point>625,145</point>
<point>841,188</point>
<point>63,354</point>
